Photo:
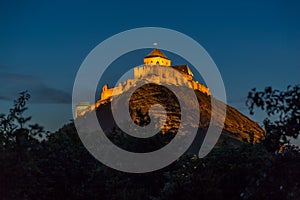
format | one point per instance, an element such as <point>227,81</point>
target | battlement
<point>146,70</point>
<point>162,73</point>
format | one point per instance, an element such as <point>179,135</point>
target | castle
<point>154,58</point>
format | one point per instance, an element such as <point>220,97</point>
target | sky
<point>43,43</point>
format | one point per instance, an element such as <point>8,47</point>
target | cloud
<point>12,84</point>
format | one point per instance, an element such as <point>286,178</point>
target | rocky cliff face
<point>237,127</point>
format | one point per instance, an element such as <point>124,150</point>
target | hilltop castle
<point>156,57</point>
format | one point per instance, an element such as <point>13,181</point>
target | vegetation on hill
<point>237,126</point>
<point>39,165</point>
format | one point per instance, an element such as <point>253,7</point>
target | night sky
<point>42,45</point>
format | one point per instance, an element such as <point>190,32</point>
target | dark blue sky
<point>42,44</point>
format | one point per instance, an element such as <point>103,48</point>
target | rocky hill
<point>237,127</point>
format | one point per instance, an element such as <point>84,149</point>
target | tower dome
<point>156,57</point>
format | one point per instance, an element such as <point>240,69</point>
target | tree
<point>17,112</point>
<point>61,168</point>
<point>13,126</point>
<point>283,113</point>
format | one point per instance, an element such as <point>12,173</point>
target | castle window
<point>157,62</point>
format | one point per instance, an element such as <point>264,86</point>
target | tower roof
<point>183,68</point>
<point>156,53</point>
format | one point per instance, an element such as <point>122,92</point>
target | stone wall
<point>143,72</point>
<point>157,61</point>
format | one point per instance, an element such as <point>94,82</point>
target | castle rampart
<point>162,73</point>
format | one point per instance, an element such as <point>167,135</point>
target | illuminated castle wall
<point>156,57</point>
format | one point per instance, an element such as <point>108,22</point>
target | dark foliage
<point>59,167</point>
<point>283,110</point>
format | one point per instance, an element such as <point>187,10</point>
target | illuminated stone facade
<point>81,107</point>
<point>156,57</point>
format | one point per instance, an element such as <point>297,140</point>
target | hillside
<point>237,126</point>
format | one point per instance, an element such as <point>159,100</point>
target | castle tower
<point>81,107</point>
<point>156,57</point>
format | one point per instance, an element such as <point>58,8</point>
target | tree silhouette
<point>17,112</point>
<point>283,113</point>
<point>13,126</point>
<point>61,168</point>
